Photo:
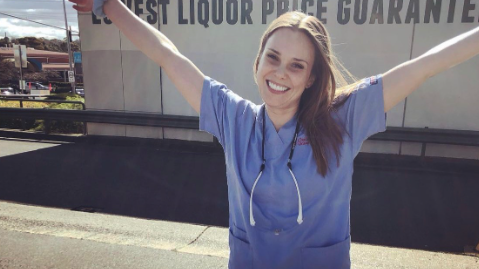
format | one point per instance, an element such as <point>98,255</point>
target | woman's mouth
<point>275,88</point>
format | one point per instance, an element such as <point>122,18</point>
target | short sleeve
<point>364,111</point>
<point>219,108</point>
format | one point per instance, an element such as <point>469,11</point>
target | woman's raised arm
<point>403,79</point>
<point>187,78</point>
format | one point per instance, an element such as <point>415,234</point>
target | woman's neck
<point>280,117</point>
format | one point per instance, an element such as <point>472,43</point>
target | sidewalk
<point>76,240</point>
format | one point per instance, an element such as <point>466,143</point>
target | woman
<point>290,160</point>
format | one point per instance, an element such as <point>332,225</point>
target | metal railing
<point>47,121</point>
<point>398,134</point>
<point>111,117</point>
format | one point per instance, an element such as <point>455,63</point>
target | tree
<point>31,42</point>
<point>53,45</point>
<point>9,74</point>
<point>8,71</point>
<point>44,44</point>
<point>5,41</point>
<point>43,76</point>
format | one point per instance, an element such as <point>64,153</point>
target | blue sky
<point>45,11</point>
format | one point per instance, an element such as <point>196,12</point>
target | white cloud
<point>13,29</point>
<point>47,12</point>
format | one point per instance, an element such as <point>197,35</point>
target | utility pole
<point>69,49</point>
<point>22,85</point>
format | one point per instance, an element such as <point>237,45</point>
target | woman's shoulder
<point>354,96</point>
<point>230,99</point>
<point>348,93</point>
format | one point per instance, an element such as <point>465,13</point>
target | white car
<point>7,90</point>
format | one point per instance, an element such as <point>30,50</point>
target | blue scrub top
<point>277,240</point>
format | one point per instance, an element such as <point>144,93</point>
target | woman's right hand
<point>82,5</point>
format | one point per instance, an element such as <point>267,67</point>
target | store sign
<point>20,55</point>
<point>71,76</point>
<point>77,57</point>
<point>208,12</point>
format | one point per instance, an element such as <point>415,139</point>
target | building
<point>43,60</point>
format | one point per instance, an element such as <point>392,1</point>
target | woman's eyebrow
<point>296,59</point>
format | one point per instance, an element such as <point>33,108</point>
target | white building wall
<point>119,77</point>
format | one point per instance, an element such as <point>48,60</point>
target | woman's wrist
<point>98,8</point>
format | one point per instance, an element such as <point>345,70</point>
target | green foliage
<point>31,42</point>
<point>67,127</point>
<point>8,71</point>
<point>60,127</point>
<point>47,44</point>
<point>11,74</point>
<point>19,123</point>
<point>63,126</point>
<point>5,41</point>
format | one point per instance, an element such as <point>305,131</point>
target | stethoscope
<point>293,145</point>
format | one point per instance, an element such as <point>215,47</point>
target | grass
<point>65,96</point>
<point>26,104</point>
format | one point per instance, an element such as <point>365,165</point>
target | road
<point>39,237</point>
<point>401,202</point>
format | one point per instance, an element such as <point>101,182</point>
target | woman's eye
<point>273,57</point>
<point>298,66</point>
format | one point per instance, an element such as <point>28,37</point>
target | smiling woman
<point>281,73</point>
<point>290,159</point>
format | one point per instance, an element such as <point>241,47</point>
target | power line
<point>35,21</point>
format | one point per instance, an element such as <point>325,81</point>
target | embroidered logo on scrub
<point>302,141</point>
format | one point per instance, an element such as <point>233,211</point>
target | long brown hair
<point>330,89</point>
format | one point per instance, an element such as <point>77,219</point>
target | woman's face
<point>284,68</point>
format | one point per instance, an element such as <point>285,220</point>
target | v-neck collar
<point>285,134</point>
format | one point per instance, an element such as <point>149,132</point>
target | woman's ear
<point>310,81</point>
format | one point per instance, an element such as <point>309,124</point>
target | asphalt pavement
<point>39,237</point>
<point>405,203</point>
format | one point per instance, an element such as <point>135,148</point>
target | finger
<point>81,9</point>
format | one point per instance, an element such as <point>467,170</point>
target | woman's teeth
<point>277,87</point>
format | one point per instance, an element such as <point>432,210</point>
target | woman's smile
<point>276,88</point>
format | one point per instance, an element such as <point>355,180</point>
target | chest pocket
<point>332,257</point>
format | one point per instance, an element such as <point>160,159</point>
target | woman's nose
<point>280,72</point>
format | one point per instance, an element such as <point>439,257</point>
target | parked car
<point>7,90</point>
<point>36,86</point>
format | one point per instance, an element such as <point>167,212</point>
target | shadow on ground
<point>428,204</point>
